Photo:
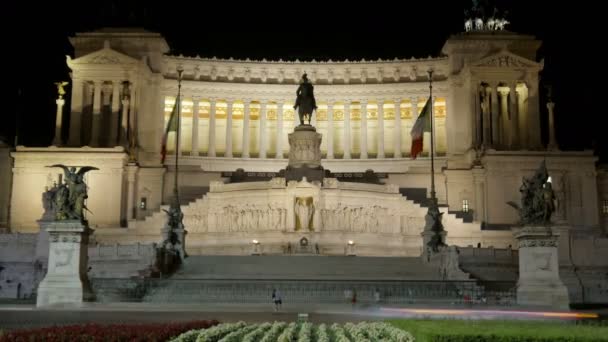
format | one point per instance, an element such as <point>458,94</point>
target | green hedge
<point>501,331</point>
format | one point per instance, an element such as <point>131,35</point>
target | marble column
<point>194,151</point>
<point>96,117</point>
<point>330,130</point>
<point>124,125</point>
<point>495,122</point>
<point>132,115</point>
<point>487,116</point>
<point>514,116</point>
<point>505,123</point>
<point>115,113</point>
<point>131,173</point>
<point>364,129</point>
<point>212,103</point>
<point>280,137</point>
<point>397,142</point>
<point>74,138</point>
<point>262,136</point>
<point>57,141</point>
<point>228,152</point>
<point>534,116</point>
<point>477,110</point>
<point>347,130</point>
<point>246,108</point>
<point>380,132</point>
<point>552,146</point>
<point>479,209</point>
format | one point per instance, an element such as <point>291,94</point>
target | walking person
<point>377,296</point>
<point>276,298</point>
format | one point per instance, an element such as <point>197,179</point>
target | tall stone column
<point>380,129</point>
<point>364,129</point>
<point>347,130</point>
<point>66,280</point>
<point>96,118</point>
<point>552,146</point>
<point>212,106</point>
<point>131,173</point>
<point>486,115</point>
<point>279,130</point>
<point>115,113</point>
<point>397,142</point>
<point>330,130</point>
<point>246,108</point>
<point>124,124</point>
<point>262,135</point>
<point>74,138</point>
<point>514,116</point>
<point>228,153</point>
<point>479,211</point>
<point>476,109</point>
<point>57,141</point>
<point>194,151</point>
<point>132,114</point>
<point>533,116</point>
<point>505,123</point>
<point>495,122</point>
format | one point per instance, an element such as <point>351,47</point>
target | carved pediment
<point>505,59</point>
<point>103,56</point>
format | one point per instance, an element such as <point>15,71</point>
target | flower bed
<point>501,331</point>
<point>300,332</point>
<point>111,332</point>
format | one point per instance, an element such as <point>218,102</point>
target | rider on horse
<point>305,101</point>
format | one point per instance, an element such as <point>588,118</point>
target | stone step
<point>306,267</point>
<point>294,291</point>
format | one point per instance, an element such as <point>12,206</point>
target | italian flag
<point>171,127</point>
<point>422,124</point>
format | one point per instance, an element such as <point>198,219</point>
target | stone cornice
<point>323,93</point>
<point>320,72</point>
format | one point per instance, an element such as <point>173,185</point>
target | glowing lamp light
<point>351,242</point>
<point>255,242</point>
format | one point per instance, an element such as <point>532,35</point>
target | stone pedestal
<point>304,155</point>
<point>66,281</point>
<point>539,282</point>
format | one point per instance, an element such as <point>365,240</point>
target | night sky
<point>35,42</point>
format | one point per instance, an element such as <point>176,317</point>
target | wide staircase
<point>305,279</point>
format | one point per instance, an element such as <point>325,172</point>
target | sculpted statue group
<point>478,20</point>
<point>537,198</point>
<point>66,201</point>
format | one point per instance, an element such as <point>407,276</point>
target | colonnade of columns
<point>222,115</point>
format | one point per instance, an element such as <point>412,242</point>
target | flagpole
<point>433,198</point>
<point>177,138</point>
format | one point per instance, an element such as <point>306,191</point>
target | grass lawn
<point>465,330</point>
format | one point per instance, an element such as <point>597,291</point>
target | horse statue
<point>468,25</point>
<point>305,101</point>
<point>478,24</point>
<point>490,24</point>
<point>500,24</point>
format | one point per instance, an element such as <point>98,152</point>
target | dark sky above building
<point>36,42</point>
